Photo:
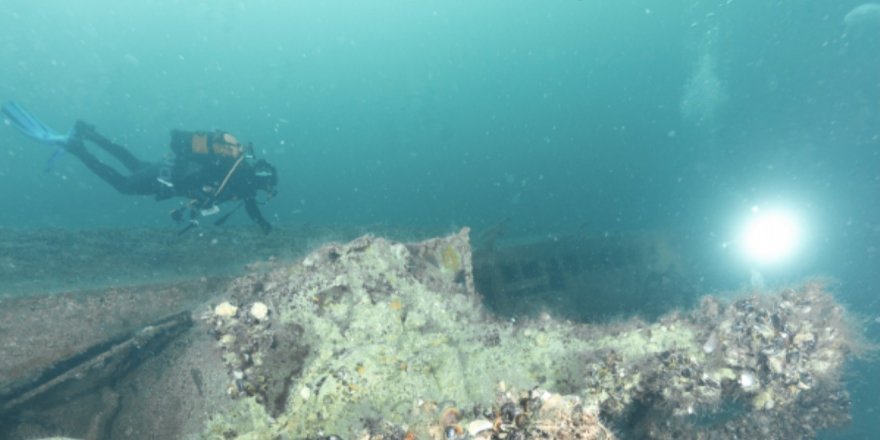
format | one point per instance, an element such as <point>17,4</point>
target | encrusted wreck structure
<point>378,339</point>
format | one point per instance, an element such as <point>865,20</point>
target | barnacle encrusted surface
<point>374,339</point>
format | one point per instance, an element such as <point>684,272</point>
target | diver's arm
<point>253,211</point>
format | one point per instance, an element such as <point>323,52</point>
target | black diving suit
<point>207,169</point>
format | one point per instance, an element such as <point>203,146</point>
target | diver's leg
<point>146,181</point>
<point>107,173</point>
<point>122,154</point>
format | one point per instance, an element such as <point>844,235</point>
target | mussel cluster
<point>240,335</point>
<point>533,414</point>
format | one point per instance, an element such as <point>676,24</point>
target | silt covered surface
<point>376,338</point>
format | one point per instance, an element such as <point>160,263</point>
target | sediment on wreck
<point>376,338</point>
<point>380,339</point>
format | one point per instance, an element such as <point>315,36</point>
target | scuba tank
<point>213,147</point>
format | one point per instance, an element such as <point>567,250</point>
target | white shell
<point>748,381</point>
<point>225,310</point>
<point>711,343</point>
<point>477,426</point>
<point>259,311</point>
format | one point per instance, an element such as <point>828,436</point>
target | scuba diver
<point>207,168</point>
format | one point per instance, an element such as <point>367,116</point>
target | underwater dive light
<point>770,237</point>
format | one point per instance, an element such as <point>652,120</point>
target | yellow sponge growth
<point>451,259</point>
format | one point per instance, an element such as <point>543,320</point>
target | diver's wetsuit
<point>196,181</point>
<point>143,177</point>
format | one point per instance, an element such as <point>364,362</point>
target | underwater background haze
<point>555,117</point>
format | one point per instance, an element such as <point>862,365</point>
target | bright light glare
<point>770,237</point>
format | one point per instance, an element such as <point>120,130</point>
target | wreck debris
<point>370,338</point>
<point>626,274</point>
<point>377,339</point>
<point>97,365</point>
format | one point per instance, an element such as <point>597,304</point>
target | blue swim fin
<point>35,129</point>
<point>28,124</point>
<point>50,164</point>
